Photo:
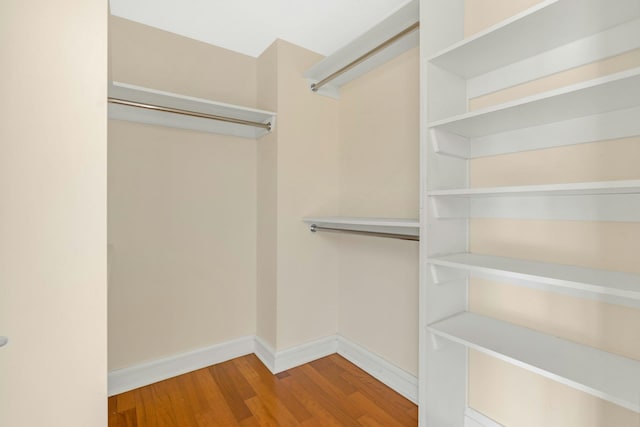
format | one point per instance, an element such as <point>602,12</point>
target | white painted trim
<point>161,369</point>
<point>396,378</point>
<point>265,353</point>
<point>305,353</point>
<point>473,418</point>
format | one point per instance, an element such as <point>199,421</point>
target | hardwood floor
<point>242,392</point>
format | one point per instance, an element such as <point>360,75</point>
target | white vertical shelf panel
<point>144,95</point>
<point>545,26</point>
<point>398,21</point>
<point>599,373</point>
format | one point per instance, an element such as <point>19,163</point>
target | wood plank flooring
<point>242,392</point>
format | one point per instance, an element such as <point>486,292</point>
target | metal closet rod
<point>315,228</point>
<point>386,43</point>
<point>266,126</point>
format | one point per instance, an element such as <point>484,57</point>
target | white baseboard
<point>148,373</point>
<point>266,354</point>
<point>295,356</point>
<point>473,418</point>
<point>396,378</point>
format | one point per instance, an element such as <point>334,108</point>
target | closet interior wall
<point>298,174</point>
<point>206,239</point>
<point>181,204</point>
<point>379,170</point>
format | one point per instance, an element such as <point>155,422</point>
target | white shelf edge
<point>383,222</point>
<point>607,376</point>
<point>502,38</point>
<point>151,96</point>
<point>604,282</point>
<point>402,18</point>
<point>573,189</point>
<point>453,124</point>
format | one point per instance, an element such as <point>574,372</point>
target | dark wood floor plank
<point>234,390</point>
<point>331,388</point>
<point>177,401</point>
<point>216,402</point>
<point>333,372</point>
<point>279,400</point>
<point>375,390</point>
<point>242,392</point>
<point>127,418</point>
<point>267,414</point>
<point>303,385</point>
<point>374,411</point>
<point>126,400</point>
<point>145,407</point>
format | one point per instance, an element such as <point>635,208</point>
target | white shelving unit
<point>205,107</point>
<point>400,20</point>
<point>400,226</point>
<point>552,36</point>
<point>615,380</point>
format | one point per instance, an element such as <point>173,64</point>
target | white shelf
<point>614,92</point>
<point>599,373</point>
<point>614,283</point>
<point>394,24</point>
<point>376,225</point>
<point>171,100</point>
<point>575,189</point>
<point>545,26</point>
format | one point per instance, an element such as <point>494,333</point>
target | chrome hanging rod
<point>266,126</point>
<point>315,228</point>
<point>386,43</point>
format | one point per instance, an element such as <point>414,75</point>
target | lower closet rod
<point>266,126</point>
<point>315,228</point>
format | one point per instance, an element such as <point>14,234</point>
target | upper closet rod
<point>315,228</point>
<point>406,31</point>
<point>266,126</point>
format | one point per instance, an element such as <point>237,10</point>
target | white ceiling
<point>250,26</point>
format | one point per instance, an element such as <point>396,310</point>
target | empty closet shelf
<point>519,36</point>
<point>596,372</point>
<point>615,283</point>
<point>398,228</point>
<point>573,189</point>
<point>614,92</point>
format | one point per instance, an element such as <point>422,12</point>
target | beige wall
<point>53,213</point>
<point>267,204</point>
<point>153,58</point>
<point>307,184</point>
<point>176,196</point>
<point>509,394</point>
<point>182,205</point>
<point>379,169</point>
